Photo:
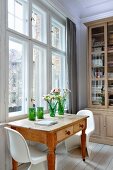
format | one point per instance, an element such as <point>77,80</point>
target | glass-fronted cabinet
<point>101,65</point>
<point>100,78</point>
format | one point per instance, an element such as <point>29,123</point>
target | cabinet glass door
<point>98,39</point>
<point>110,63</point>
<point>110,37</point>
<point>98,92</point>
<point>97,66</point>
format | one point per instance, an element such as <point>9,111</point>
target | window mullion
<point>30,68</point>
<point>30,19</point>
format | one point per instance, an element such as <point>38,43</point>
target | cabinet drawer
<point>64,133</point>
<point>79,126</point>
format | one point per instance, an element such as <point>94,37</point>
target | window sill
<point>18,116</point>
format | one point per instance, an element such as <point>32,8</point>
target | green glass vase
<point>52,110</point>
<point>32,114</point>
<point>40,112</point>
<point>61,106</point>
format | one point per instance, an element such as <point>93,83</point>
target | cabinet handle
<point>81,125</point>
<point>67,132</point>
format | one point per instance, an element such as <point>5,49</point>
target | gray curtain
<point>72,65</point>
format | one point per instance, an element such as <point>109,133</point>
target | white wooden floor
<point>101,158</point>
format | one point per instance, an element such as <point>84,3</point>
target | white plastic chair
<point>21,153</point>
<point>75,140</point>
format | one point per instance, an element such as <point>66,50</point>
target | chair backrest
<point>90,120</point>
<point>18,146</point>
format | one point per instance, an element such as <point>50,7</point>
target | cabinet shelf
<point>97,93</point>
<point>98,52</point>
<point>95,46</point>
<point>97,79</point>
<point>110,78</point>
<point>97,66</point>
<point>110,32</point>
<point>110,51</point>
<point>110,44</point>
<point>110,93</point>
<point>98,34</point>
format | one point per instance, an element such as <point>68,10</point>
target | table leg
<point>83,144</point>
<point>14,164</point>
<point>51,159</point>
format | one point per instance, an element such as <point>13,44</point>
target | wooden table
<point>51,135</point>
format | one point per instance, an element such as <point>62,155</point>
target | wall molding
<point>96,17</point>
<point>63,10</point>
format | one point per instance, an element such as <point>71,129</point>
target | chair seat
<point>34,152</point>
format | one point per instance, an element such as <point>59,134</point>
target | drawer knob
<point>81,125</point>
<point>67,132</point>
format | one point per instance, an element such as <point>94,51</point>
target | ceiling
<point>87,8</point>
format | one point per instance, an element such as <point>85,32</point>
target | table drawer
<point>64,133</point>
<point>79,126</point>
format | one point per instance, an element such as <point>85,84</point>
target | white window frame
<point>19,114</point>
<point>43,14</point>
<point>62,52</point>
<point>44,76</point>
<point>27,13</point>
<point>62,34</point>
<point>63,65</point>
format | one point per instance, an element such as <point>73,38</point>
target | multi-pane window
<point>18,15</point>
<point>39,74</point>
<point>37,60</point>
<point>16,75</point>
<point>39,31</point>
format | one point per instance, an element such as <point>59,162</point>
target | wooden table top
<point>63,121</point>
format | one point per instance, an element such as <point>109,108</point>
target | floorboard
<point>101,158</point>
